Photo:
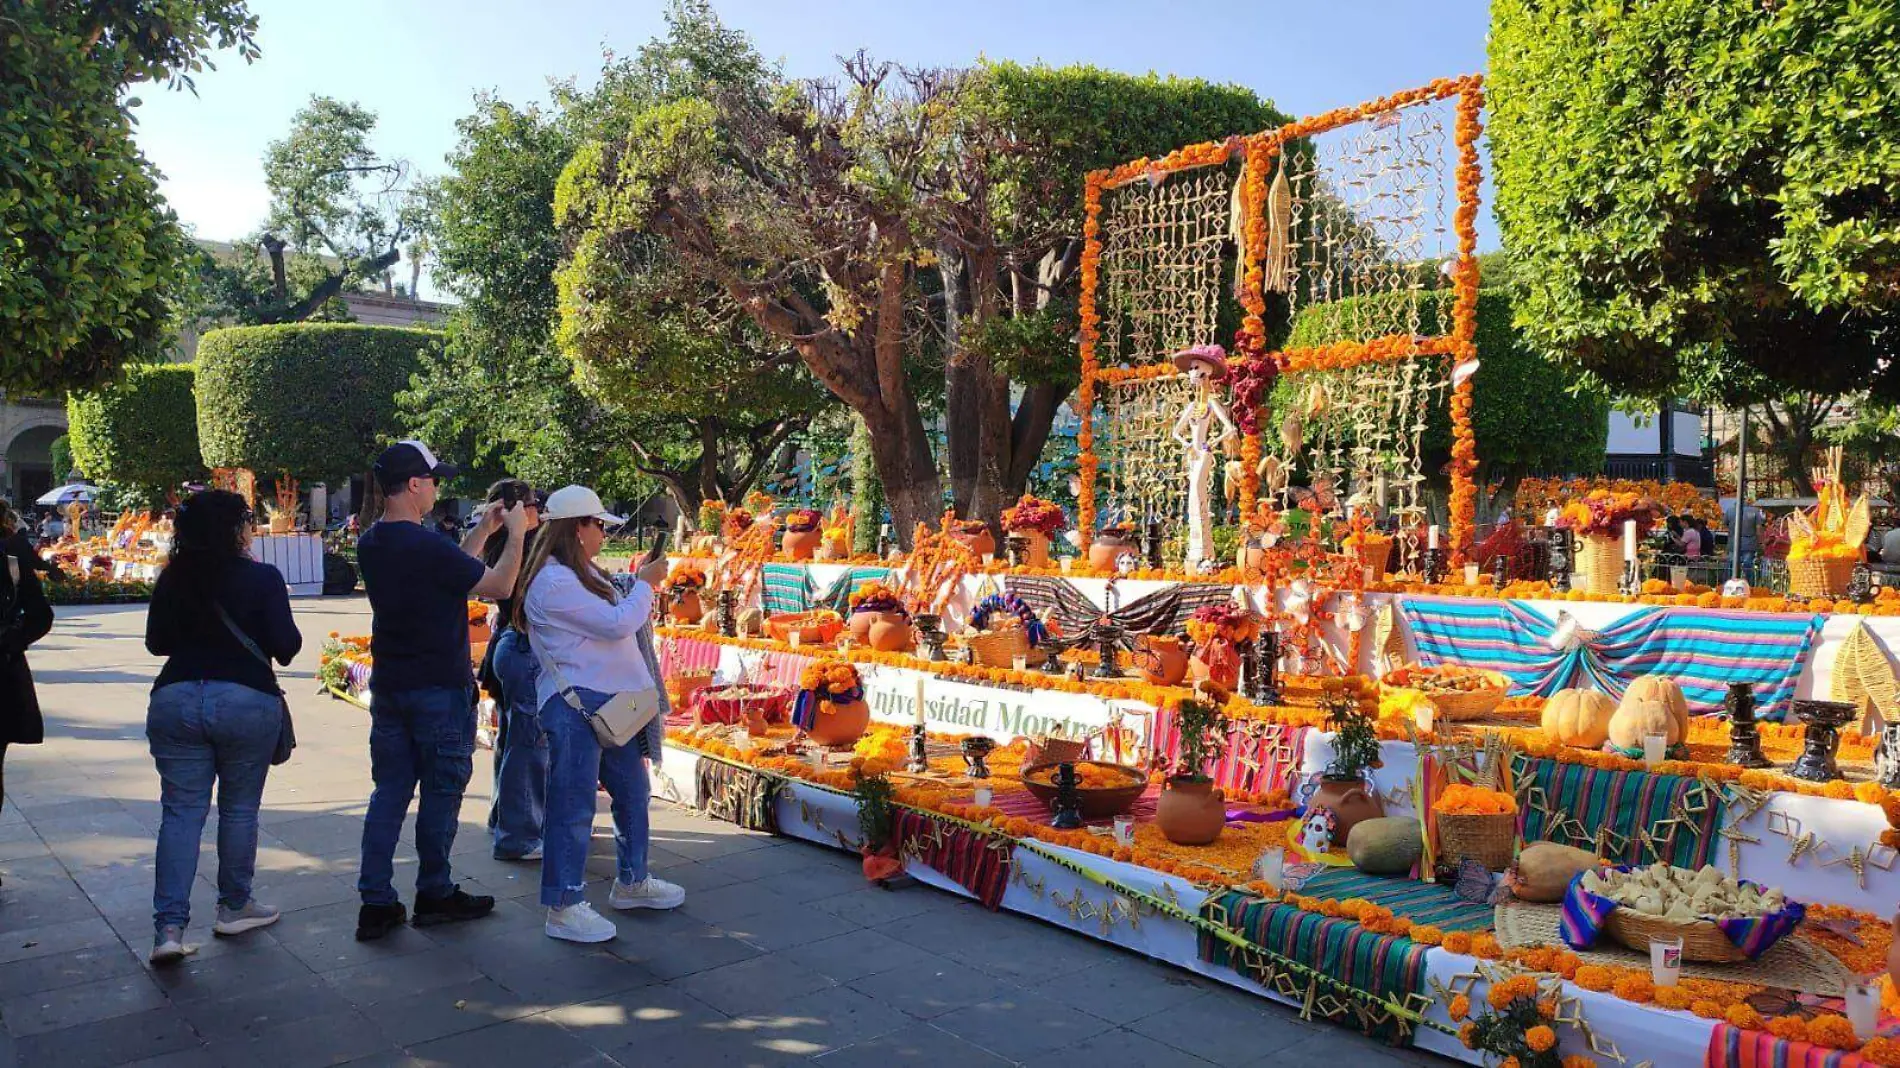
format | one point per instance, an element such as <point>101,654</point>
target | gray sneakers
<point>169,947</point>
<point>253,915</point>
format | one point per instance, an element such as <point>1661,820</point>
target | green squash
<point>1386,845</point>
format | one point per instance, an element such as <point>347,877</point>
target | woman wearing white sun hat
<point>586,636</point>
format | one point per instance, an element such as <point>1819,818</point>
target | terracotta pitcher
<point>839,726</point>
<point>889,632</point>
<point>1190,811</point>
<point>801,544</point>
<point>1106,549</point>
<point>1350,801</point>
<point>686,607</point>
<point>1162,660</point>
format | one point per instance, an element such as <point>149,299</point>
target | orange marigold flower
<point>1594,977</point>
<point>1460,1007</point>
<point>1672,997</point>
<point>1508,1062</point>
<point>1486,946</point>
<point>1427,935</point>
<point>1793,1028</point>
<point>1458,942</point>
<point>1708,1010</point>
<point>1635,986</point>
<point>1743,1015</point>
<point>1871,792</point>
<point>1540,1038</point>
<point>1578,1060</point>
<point>1882,1051</point>
<point>1468,1034</point>
<point>1834,1032</point>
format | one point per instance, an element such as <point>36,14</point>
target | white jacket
<point>592,643</point>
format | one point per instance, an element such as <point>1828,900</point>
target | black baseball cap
<point>409,459</point>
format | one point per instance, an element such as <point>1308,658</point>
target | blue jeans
<point>521,764</point>
<point>577,768</point>
<point>420,737</point>
<point>200,733</point>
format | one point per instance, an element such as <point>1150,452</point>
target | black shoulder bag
<point>286,731</point>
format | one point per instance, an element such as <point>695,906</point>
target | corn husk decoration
<point>1278,266</point>
<point>1834,529</point>
<point>1864,677</point>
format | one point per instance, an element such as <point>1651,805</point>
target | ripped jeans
<point>577,768</point>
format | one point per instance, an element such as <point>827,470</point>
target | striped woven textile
<point>685,656</point>
<point>1568,803</point>
<point>838,596</point>
<point>1381,965</point>
<point>1732,1047</point>
<point>978,863</point>
<point>787,588</point>
<point>1703,650</point>
<point>1258,757</point>
<point>1427,903</point>
<point>736,794</point>
<point>1022,804</point>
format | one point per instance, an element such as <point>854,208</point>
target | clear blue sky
<point>419,63</point>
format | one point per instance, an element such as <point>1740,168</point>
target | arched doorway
<point>30,463</point>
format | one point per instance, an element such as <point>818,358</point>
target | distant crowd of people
<point>574,650</point>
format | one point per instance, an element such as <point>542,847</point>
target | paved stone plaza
<point>781,954</point>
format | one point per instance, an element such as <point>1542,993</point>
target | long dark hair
<point>207,538</point>
<point>497,541</point>
<point>560,540</point>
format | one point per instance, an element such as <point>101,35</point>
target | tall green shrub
<point>315,400</point>
<point>140,432</point>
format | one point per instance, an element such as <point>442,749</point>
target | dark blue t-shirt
<point>419,582</point>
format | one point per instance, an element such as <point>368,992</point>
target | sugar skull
<point>1318,830</point>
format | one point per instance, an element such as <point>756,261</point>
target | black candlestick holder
<point>976,749</point>
<point>1151,538</point>
<point>1267,656</point>
<point>1744,739</point>
<point>1824,720</point>
<point>1629,585</point>
<point>1065,812</point>
<point>1108,643</point>
<point>1434,566</point>
<point>729,613</point>
<point>1500,571</point>
<point>1560,561</point>
<point>1860,585</point>
<point>930,635</point>
<point>919,751</point>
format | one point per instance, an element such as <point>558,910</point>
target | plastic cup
<point>1665,961</point>
<point>1471,574</point>
<point>1863,1008</point>
<point>1125,830</point>
<point>983,797</point>
<point>1020,663</point>
<point>1655,748</point>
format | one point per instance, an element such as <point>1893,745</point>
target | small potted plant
<point>1343,786</point>
<point>681,594</point>
<point>802,533</point>
<point>974,534</point>
<point>1036,521</point>
<point>830,708</point>
<point>1191,809</point>
<point>878,618</point>
<point>712,522</point>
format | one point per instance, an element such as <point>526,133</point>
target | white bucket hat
<point>578,502</point>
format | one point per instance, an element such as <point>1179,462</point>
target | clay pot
<point>1105,549</point>
<point>1217,662</point>
<point>838,726</point>
<point>1190,811</point>
<point>860,626</point>
<point>801,544</point>
<point>755,719</point>
<point>981,542</point>
<point>1161,660</point>
<point>1350,802</point>
<point>889,632</point>
<point>1253,558</point>
<point>687,608</point>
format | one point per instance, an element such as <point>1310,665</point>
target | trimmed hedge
<point>140,432</point>
<point>316,400</point>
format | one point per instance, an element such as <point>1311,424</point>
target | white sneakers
<point>648,893</point>
<point>169,947</point>
<point>249,918</point>
<point>580,923</point>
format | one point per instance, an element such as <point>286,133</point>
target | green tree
<point>140,432</point>
<point>1528,413</point>
<point>1010,243</point>
<point>1703,196</point>
<point>61,454</point>
<point>312,400</point>
<point>89,253</point>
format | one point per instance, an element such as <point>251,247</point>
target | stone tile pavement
<point>781,953</point>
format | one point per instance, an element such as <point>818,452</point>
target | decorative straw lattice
<point>1163,247</point>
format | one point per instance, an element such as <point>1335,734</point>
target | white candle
<point>1431,536</point>
<point>982,797</point>
<point>796,637</point>
<point>1629,539</point>
<point>1425,714</point>
<point>1471,574</point>
<point>1068,564</point>
<point>1863,1008</point>
<point>1020,663</point>
<point>920,700</point>
<point>1125,830</point>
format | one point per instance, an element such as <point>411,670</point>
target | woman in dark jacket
<point>25,617</point>
<point>216,713</point>
<point>508,673</point>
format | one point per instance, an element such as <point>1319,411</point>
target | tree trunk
<point>1029,434</point>
<point>904,466</point>
<point>709,460</point>
<point>867,490</point>
<point>960,399</point>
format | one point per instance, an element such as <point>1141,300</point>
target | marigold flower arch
<point>1258,153</point>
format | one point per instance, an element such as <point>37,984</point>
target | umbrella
<point>62,496</point>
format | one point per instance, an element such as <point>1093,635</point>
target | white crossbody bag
<point>615,723</point>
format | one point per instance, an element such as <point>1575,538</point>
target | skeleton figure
<point>1203,431</point>
<point>1318,830</point>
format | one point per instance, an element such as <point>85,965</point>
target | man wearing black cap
<point>422,709</point>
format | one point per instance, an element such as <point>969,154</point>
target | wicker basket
<point>1374,553</point>
<point>1702,940</point>
<point>1000,648</point>
<point>1600,561</point>
<point>1466,704</point>
<point>1819,578</point>
<point>1490,839</point>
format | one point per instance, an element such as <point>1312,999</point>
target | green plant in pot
<point>1191,809</point>
<point>1344,786</point>
<point>877,822</point>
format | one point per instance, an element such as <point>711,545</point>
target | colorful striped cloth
<point>1569,804</point>
<point>1702,650</point>
<point>1584,914</point>
<point>1732,1047</point>
<point>1386,966</point>
<point>1257,757</point>
<point>787,589</point>
<point>687,656</point>
<point>1423,903</point>
<point>736,794</point>
<point>838,596</point>
<point>979,863</point>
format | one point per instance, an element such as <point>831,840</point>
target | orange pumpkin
<point>1665,692</point>
<point>1579,717</point>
